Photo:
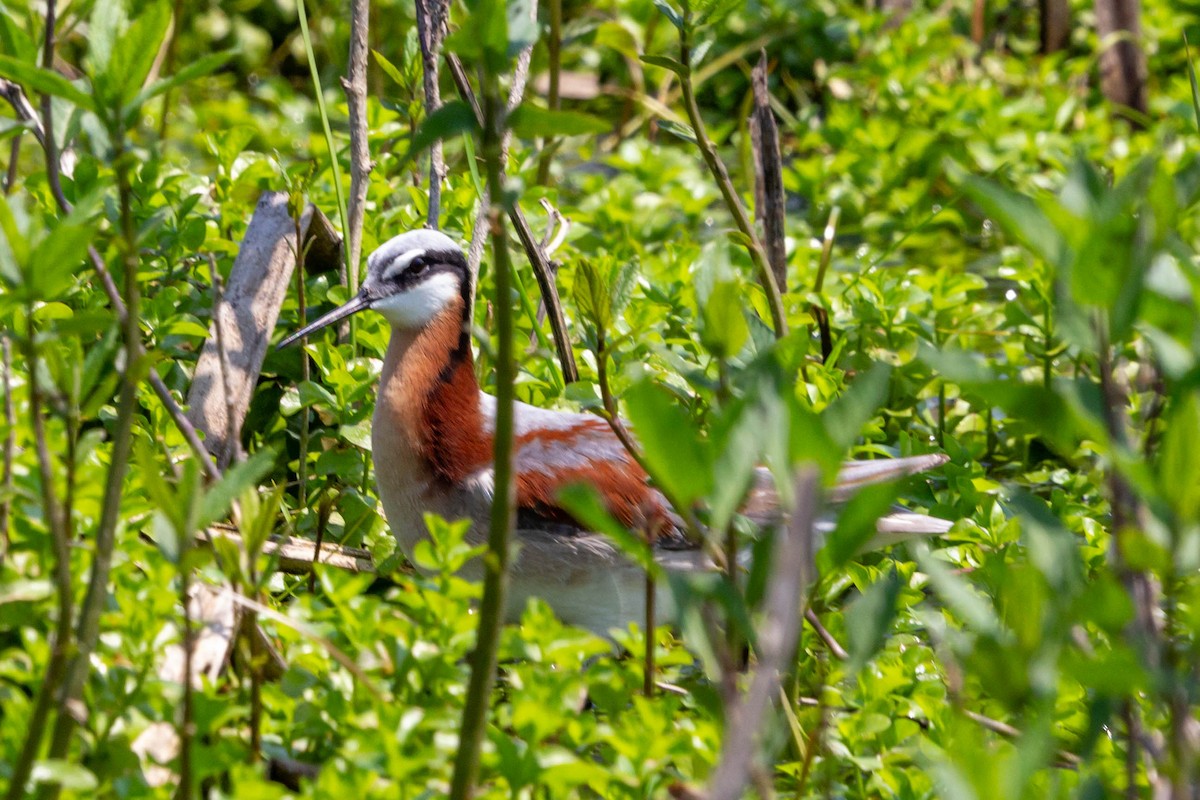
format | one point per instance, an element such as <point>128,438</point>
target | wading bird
<point>432,436</point>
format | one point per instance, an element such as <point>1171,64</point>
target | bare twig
<point>776,643</point>
<point>542,269</point>
<point>355,87</point>
<point>834,646</point>
<point>169,65</point>
<point>10,443</point>
<point>14,156</point>
<point>721,175</point>
<point>768,174</point>
<point>15,95</point>
<point>818,311</point>
<point>553,100</point>
<point>187,723</point>
<point>431,30</point>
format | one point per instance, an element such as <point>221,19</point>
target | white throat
<point>416,307</point>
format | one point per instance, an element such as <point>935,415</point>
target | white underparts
<point>416,307</point>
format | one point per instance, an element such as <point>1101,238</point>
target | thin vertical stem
<point>355,87</point>
<point>553,99</point>
<point>60,649</point>
<point>431,29</point>
<point>88,627</point>
<point>10,443</point>
<point>734,203</point>
<point>495,582</point>
<point>187,723</point>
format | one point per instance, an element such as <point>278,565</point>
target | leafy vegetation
<point>1007,270</point>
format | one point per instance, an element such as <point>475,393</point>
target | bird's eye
<point>418,265</point>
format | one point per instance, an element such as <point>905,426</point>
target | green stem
<point>88,628</point>
<point>335,165</point>
<point>734,203</point>
<point>495,581</point>
<point>553,101</point>
<point>60,650</point>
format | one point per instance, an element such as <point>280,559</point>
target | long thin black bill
<point>339,313</point>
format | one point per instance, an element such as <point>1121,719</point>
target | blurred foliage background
<point>1021,254</point>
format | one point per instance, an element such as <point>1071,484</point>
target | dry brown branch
<point>542,268</point>
<point>768,174</point>
<point>355,87</point>
<point>431,30</point>
<point>776,644</point>
<point>247,316</point>
<point>1122,62</point>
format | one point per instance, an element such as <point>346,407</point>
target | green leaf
<point>845,417</point>
<point>14,40</point>
<point>724,332</point>
<point>134,53</point>
<point>70,776</point>
<point>856,525</point>
<point>956,593</point>
<point>869,619</point>
<point>529,121</point>
<point>1019,216</point>
<point>1179,463</point>
<point>390,69</point>
<point>25,591</point>
<point>670,13</point>
<point>678,459</point>
<point>202,66</point>
<point>584,503</point>
<point>236,480</point>
<point>44,81</point>
<point>679,130</point>
<point>1192,80</point>
<point>665,62</point>
<point>453,118</point>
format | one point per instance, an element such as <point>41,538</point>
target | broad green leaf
<point>584,503</point>
<point>1019,216</point>
<point>869,618</point>
<point>678,458</point>
<point>856,525</point>
<point>44,81</point>
<point>70,776</point>
<point>134,53</point>
<point>15,41</point>
<point>237,479</point>
<point>1179,463</point>
<point>529,121</point>
<point>451,119</point>
<point>957,593</point>
<point>846,416</point>
<point>107,20</point>
<point>670,13</point>
<point>202,66</point>
<point>667,63</point>
<point>724,332</point>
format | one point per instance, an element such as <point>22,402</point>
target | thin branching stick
<point>744,719</point>
<point>768,173</point>
<point>355,87</point>
<point>721,175</point>
<point>431,30</point>
<point>542,269</point>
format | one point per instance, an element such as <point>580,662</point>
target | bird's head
<point>410,279</point>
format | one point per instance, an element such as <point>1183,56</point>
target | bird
<point>432,435</point>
